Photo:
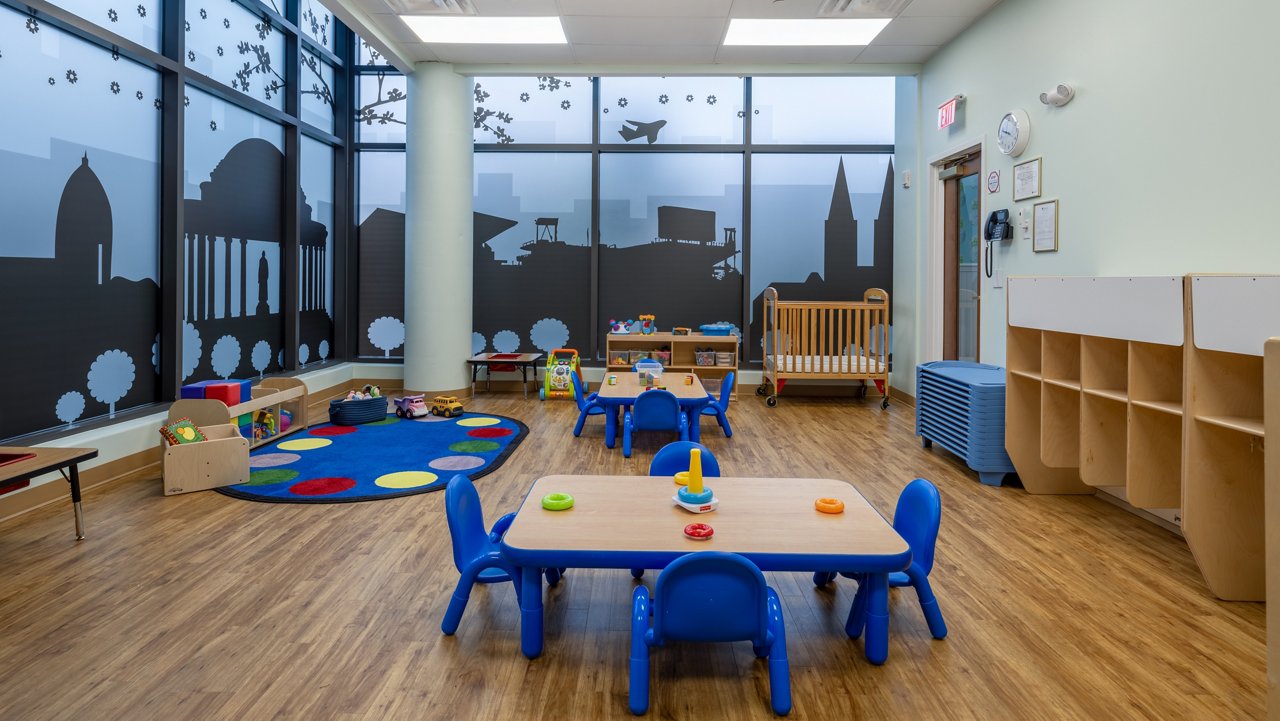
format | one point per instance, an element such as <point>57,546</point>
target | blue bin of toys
<point>355,412</point>
<point>716,329</point>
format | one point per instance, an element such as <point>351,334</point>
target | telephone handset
<point>998,229</point>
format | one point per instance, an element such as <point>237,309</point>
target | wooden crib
<point>825,340</point>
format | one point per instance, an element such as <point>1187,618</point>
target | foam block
<point>228,393</point>
<point>246,389</point>
<point>244,420</point>
<point>196,390</point>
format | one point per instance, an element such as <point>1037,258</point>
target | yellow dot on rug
<point>406,479</point>
<point>476,422</point>
<point>304,444</point>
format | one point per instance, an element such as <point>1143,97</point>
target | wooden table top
<point>766,516</point>
<point>628,385</point>
<point>506,358</point>
<point>46,459</point>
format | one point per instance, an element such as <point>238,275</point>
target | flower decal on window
<point>213,126</point>
<point>52,81</point>
<point>204,15</point>
<point>72,77</point>
<point>142,12</point>
<point>191,56</point>
<point>159,105</point>
<point>33,25</point>
<point>622,102</point>
<point>186,25</point>
<point>220,51</point>
<point>663,99</point>
<point>115,88</point>
<point>226,23</point>
<point>565,104</point>
<point>688,98</point>
<point>524,97</point>
<point>742,113</point>
<point>186,101</point>
<point>138,95</point>
<point>711,100</point>
<point>112,15</point>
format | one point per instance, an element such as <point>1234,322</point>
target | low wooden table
<point>46,460</point>
<point>631,522</point>
<point>693,398</point>
<point>524,361</point>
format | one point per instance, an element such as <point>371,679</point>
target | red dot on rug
<point>490,432</point>
<point>332,431</point>
<point>322,486</point>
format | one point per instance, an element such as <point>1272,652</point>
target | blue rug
<point>385,459</point>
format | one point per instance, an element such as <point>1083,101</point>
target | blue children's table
<point>692,397</point>
<point>630,522</point>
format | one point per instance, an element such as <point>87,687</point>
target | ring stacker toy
<point>829,505</point>
<point>682,478</point>
<point>557,501</point>
<point>694,498</point>
<point>699,532</point>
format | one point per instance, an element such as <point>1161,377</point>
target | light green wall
<point>907,272</point>
<point>1163,164</point>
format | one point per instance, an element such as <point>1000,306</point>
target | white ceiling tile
<point>419,52</point>
<point>921,30</point>
<point>947,8</point>
<point>786,54</point>
<point>771,9</point>
<point>644,54</point>
<point>503,54</point>
<point>897,53</point>
<point>516,8</point>
<point>647,8</point>
<point>396,29</point>
<point>597,30</point>
<point>372,6</point>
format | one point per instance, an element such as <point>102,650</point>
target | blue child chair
<point>475,553</point>
<point>916,518</point>
<point>674,457</point>
<point>710,596</point>
<point>588,405</point>
<point>720,409</point>
<point>656,410</point>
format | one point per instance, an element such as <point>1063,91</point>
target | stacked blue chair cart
<point>960,406</point>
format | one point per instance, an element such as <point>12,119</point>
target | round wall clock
<point>1014,133</point>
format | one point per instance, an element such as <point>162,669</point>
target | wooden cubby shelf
<point>1110,394</point>
<point>1173,409</point>
<point>1251,426</point>
<point>1103,429</point>
<point>1154,458</point>
<point>683,357</point>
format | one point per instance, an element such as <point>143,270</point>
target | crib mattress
<point>838,364</point>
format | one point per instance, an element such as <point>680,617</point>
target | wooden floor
<point>205,607</point>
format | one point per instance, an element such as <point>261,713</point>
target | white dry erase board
<point>1146,309</point>
<point>1235,313</point>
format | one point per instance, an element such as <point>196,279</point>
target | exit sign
<point>947,112</point>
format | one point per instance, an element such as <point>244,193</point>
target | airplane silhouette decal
<point>649,130</point>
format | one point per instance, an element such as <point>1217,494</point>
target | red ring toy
<point>829,505</point>
<point>698,531</point>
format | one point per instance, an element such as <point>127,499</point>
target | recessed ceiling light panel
<point>486,30</point>
<point>860,31</point>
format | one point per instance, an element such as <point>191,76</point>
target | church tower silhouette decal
<point>82,237</point>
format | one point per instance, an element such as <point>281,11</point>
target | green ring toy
<point>557,501</point>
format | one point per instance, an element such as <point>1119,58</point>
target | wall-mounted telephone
<point>997,230</point>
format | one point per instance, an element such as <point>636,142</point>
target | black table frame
<point>524,366</point>
<point>71,475</point>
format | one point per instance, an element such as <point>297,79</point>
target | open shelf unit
<point>272,393</point>
<point>1155,386</point>
<point>683,359</point>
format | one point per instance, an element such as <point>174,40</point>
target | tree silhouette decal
<point>506,341</point>
<point>323,349</point>
<point>110,378</point>
<point>386,334</point>
<point>304,354</point>
<point>225,356</point>
<point>478,343</point>
<point>260,357</point>
<point>70,407</point>
<point>549,334</point>
<point>495,121</point>
<point>369,112</point>
<point>191,349</point>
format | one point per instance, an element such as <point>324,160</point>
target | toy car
<point>447,406</point>
<point>411,406</point>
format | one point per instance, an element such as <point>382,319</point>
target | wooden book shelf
<point>683,357</point>
<point>276,394</point>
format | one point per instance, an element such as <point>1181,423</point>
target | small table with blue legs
<point>631,522</point>
<point>692,397</point>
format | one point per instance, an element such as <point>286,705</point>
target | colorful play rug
<point>384,459</point>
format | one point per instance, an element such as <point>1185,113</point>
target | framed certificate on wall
<point>1045,227</point>
<point>1026,180</point>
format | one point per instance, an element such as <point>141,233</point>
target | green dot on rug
<point>389,420</point>
<point>270,476</point>
<point>473,446</point>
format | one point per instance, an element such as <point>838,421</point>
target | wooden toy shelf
<point>1153,386</point>
<point>274,393</point>
<point>682,352</point>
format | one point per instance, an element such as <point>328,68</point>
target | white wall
<point>1148,184</point>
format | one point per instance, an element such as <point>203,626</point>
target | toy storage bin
<point>619,358</point>
<point>704,358</point>
<point>662,356</point>
<point>639,355</point>
<point>724,359</point>
<point>221,460</point>
<point>712,385</point>
<point>716,329</point>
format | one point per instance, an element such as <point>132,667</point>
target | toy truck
<point>411,406</point>
<point>447,406</point>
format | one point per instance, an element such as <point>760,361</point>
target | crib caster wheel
<point>884,404</point>
<point>771,401</point>
<point>926,443</point>
<point>760,389</point>
<point>862,392</point>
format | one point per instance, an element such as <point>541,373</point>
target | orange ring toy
<point>699,531</point>
<point>829,505</point>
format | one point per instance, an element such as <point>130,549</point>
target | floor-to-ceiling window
<point>172,181</point>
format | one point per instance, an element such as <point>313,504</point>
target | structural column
<point>438,230</point>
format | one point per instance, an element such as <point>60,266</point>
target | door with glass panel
<point>962,257</point>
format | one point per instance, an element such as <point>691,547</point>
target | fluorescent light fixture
<point>487,30</point>
<point>853,31</point>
